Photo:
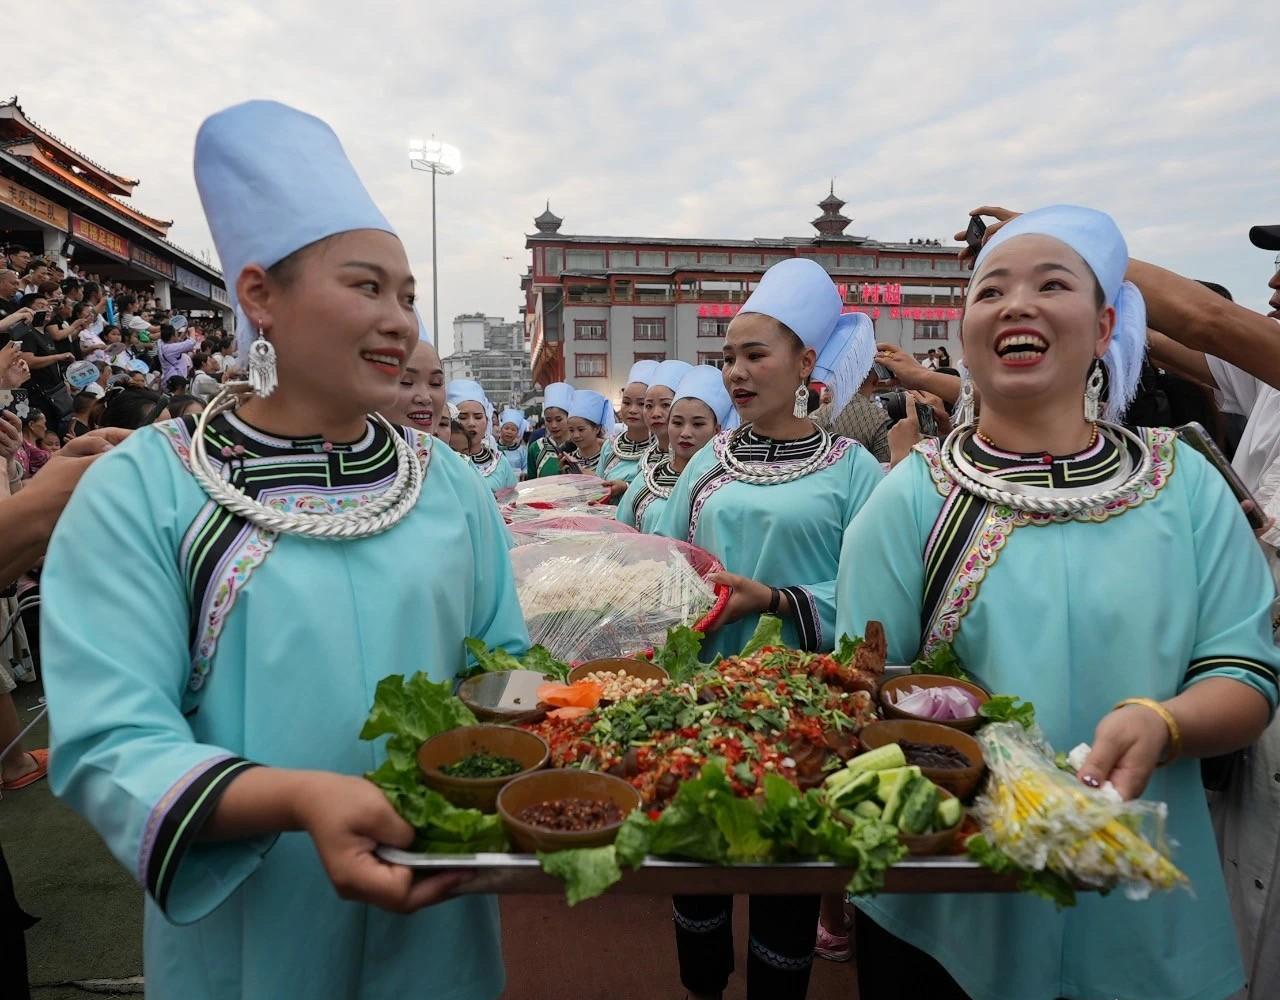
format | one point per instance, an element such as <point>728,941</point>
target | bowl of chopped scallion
<point>470,765</point>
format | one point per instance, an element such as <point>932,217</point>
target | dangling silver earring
<point>801,409</point>
<point>1093,393</point>
<point>966,408</point>
<point>262,366</point>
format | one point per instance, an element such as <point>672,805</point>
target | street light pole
<point>435,272</point>
<point>438,158</point>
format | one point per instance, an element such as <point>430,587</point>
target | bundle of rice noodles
<point>591,596</point>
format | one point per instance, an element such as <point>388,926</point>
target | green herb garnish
<point>482,764</point>
<point>942,661</point>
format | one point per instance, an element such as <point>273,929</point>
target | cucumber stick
<point>879,759</point>
<point>948,814</point>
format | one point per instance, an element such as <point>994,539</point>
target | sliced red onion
<point>941,704</point>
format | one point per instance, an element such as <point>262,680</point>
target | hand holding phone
<point>975,233</point>
<point>1198,438</point>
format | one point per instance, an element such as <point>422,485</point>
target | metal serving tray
<point>520,873</point>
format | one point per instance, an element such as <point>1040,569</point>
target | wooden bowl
<point>897,685</point>
<point>942,842</point>
<point>562,783</point>
<point>959,781</point>
<point>636,668</point>
<point>507,696</point>
<point>501,741</point>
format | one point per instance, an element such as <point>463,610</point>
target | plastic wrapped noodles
<point>558,491</point>
<point>1043,817</point>
<point>588,597</point>
<point>550,525</point>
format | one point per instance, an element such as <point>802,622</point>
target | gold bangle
<point>1175,734</point>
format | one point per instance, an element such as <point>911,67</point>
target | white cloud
<point>714,119</point>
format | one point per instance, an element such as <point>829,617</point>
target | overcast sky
<point>708,119</point>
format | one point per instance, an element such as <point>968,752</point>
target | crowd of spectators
<point>81,353</point>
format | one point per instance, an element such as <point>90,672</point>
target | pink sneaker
<point>833,947</point>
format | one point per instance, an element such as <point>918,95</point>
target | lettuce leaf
<point>441,827</point>
<point>802,826</point>
<point>679,657</point>
<point>1008,708</point>
<point>415,707</point>
<point>942,661</point>
<point>495,660</point>
<point>1045,884</point>
<point>847,649</point>
<point>409,711</point>
<point>587,871</point>
<point>768,633</point>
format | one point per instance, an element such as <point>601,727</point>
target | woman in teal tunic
<point>700,408</point>
<point>1076,565</point>
<point>511,430</point>
<point>217,752</point>
<point>589,414</point>
<point>657,406</point>
<point>475,414</point>
<point>771,500</point>
<point>547,454</point>
<point>620,459</point>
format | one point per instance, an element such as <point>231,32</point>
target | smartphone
<point>883,372</point>
<point>975,232</point>
<point>1198,438</point>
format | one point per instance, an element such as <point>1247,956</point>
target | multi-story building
<point>478,332</point>
<point>596,304</point>
<point>490,351</point>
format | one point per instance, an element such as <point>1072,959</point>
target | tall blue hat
<point>273,180</point>
<point>706,383</point>
<point>592,406</point>
<point>559,395</point>
<point>798,293</point>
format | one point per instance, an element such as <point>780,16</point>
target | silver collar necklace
<point>1047,500</point>
<point>372,518</point>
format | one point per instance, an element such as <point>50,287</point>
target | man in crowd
<point>862,419</point>
<point>17,258</point>
<point>44,354</point>
<point>11,313</point>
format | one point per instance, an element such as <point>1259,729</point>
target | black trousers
<point>891,969</point>
<point>780,943</point>
<point>13,946</point>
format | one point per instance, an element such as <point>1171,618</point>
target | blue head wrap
<point>642,372</point>
<point>273,180</point>
<point>669,374</point>
<point>559,395</point>
<point>464,390</point>
<point>510,416</point>
<point>592,406</point>
<point>706,383</point>
<point>1097,239</point>
<point>798,293</point>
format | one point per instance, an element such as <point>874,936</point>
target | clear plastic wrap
<point>1043,817</point>
<point>556,524</point>
<point>557,491</point>
<point>588,597</point>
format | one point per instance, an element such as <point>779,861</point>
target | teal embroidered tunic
<point>1145,597</point>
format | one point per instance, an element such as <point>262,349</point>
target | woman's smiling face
<point>1033,323</point>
